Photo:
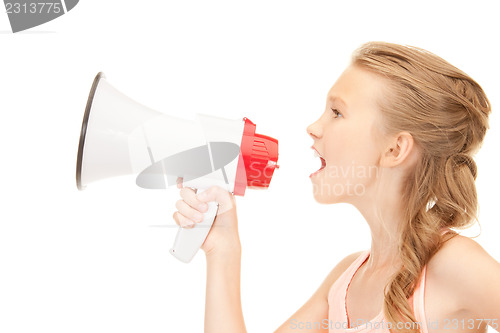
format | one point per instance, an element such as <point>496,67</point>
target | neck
<point>383,211</point>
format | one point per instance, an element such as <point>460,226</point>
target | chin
<point>328,191</point>
<point>326,199</point>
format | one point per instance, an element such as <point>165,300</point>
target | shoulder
<point>337,271</point>
<point>459,255</point>
<point>467,274</point>
<point>347,261</point>
<point>315,310</point>
<point>452,252</point>
<point>342,266</point>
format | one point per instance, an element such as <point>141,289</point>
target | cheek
<point>352,143</point>
<point>353,161</point>
<point>365,144</point>
<point>367,151</point>
<point>352,148</point>
<point>338,141</point>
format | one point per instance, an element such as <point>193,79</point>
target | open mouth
<point>323,163</point>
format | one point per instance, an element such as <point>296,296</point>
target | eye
<point>336,112</point>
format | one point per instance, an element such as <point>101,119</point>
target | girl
<point>413,123</point>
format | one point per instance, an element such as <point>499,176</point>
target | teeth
<point>314,163</point>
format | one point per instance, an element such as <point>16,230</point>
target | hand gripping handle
<point>189,240</point>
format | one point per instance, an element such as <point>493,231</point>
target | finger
<point>176,218</point>
<point>189,212</point>
<point>189,196</point>
<point>182,221</point>
<point>218,194</point>
<point>224,198</point>
<point>179,182</point>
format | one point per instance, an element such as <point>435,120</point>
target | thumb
<point>215,193</point>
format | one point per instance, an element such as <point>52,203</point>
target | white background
<point>93,261</point>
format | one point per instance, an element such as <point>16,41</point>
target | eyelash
<point>337,113</point>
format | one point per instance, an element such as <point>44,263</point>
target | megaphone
<point>119,137</point>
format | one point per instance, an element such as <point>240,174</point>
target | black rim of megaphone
<point>83,132</point>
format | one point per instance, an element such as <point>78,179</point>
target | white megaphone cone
<point>121,137</point>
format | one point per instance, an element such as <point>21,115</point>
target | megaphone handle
<point>188,241</point>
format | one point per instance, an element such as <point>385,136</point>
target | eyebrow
<point>332,98</point>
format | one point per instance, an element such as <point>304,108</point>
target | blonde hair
<point>446,112</point>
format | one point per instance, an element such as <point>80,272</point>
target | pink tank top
<point>337,310</point>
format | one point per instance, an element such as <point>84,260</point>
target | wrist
<point>227,254</point>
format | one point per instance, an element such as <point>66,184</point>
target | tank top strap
<point>345,278</point>
<point>418,301</point>
<point>337,294</point>
<point>337,312</point>
<point>419,293</point>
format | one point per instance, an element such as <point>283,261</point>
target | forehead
<point>357,88</point>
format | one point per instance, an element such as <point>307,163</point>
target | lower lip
<point>317,172</point>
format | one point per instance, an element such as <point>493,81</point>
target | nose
<point>314,130</point>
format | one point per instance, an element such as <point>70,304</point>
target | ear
<point>399,150</point>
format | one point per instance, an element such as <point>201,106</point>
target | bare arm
<point>478,279</point>
<point>472,277</point>
<point>223,311</point>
